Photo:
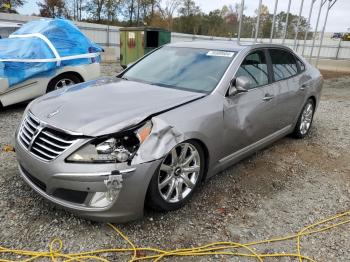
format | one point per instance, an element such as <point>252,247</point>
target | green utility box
<point>135,42</point>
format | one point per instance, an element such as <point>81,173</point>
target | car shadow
<point>15,107</point>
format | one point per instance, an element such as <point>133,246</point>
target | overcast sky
<point>338,20</point>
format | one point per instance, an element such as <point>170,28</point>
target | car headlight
<point>117,148</point>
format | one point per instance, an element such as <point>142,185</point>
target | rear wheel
<point>62,81</point>
<point>304,123</point>
<point>177,178</point>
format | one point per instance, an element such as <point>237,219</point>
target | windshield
<point>192,69</point>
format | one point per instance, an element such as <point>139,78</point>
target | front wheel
<point>177,177</point>
<point>304,123</point>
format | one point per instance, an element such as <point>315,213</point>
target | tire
<point>174,172</point>
<point>57,82</point>
<point>305,119</point>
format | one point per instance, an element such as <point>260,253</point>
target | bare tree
<point>138,12</point>
<point>167,9</point>
<point>79,8</point>
<point>95,7</point>
<point>75,8</point>
<point>190,15</point>
<point>146,10</point>
<point>189,8</point>
<point>153,6</point>
<point>112,8</point>
<point>131,11</point>
<point>52,8</point>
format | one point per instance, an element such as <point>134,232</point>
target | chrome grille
<point>28,129</point>
<point>43,141</point>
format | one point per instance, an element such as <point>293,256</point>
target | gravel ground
<point>273,193</point>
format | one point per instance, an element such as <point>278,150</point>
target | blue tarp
<point>64,36</point>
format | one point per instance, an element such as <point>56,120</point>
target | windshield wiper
<point>163,85</point>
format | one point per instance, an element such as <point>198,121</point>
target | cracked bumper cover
<point>82,181</point>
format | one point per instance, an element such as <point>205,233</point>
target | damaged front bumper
<point>102,192</point>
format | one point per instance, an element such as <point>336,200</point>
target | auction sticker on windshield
<point>220,53</point>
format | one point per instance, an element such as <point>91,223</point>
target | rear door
<point>250,116</point>
<point>289,85</point>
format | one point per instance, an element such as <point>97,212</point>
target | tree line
<point>183,16</point>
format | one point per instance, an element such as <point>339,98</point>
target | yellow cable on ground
<point>219,248</point>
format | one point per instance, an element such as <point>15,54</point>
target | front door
<point>251,116</point>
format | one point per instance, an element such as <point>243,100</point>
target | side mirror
<point>238,85</point>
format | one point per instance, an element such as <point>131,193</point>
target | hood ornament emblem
<point>52,114</point>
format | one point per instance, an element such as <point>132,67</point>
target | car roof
<point>228,45</point>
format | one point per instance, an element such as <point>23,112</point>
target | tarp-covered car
<point>45,55</point>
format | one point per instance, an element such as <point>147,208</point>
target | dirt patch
<point>333,74</point>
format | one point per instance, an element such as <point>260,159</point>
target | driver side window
<point>254,67</point>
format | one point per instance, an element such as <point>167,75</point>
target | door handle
<point>304,86</point>
<point>268,97</point>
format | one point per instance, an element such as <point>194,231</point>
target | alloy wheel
<point>179,172</point>
<point>306,118</point>
<point>63,83</point>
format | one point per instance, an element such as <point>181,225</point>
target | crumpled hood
<point>106,105</point>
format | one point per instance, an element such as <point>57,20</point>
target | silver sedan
<point>106,148</point>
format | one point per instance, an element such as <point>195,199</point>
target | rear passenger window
<point>254,67</point>
<point>283,64</point>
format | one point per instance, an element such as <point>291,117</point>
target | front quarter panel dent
<point>161,140</point>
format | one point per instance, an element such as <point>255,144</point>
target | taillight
<point>92,50</point>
